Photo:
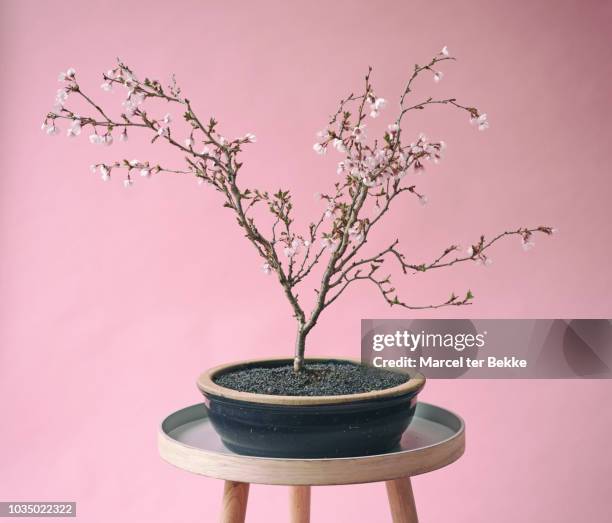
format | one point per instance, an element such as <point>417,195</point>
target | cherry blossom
<point>68,75</point>
<point>359,133</point>
<point>376,105</point>
<point>51,129</point>
<point>481,122</point>
<point>338,144</point>
<point>105,172</point>
<point>319,148</point>
<point>331,244</point>
<point>74,129</point>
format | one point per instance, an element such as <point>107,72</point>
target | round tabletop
<point>434,439</point>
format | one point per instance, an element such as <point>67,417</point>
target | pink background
<point>113,301</point>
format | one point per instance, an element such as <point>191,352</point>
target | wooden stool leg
<point>299,504</point>
<point>401,501</point>
<point>235,497</point>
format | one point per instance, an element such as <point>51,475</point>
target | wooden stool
<point>435,438</point>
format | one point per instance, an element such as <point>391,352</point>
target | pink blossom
<point>330,244</point>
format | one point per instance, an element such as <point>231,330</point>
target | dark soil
<point>316,379</point>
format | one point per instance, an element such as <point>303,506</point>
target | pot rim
<point>207,386</point>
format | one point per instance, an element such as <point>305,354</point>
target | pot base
<point>309,426</point>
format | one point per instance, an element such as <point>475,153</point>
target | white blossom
<point>444,51</point>
<point>93,167</point>
<point>127,183</point>
<point>123,137</point>
<point>470,251</point>
<point>105,172</point>
<point>338,144</point>
<point>106,86</point>
<point>60,99</point>
<point>250,137</point>
<point>108,139</point>
<point>133,163</point>
<point>96,138</point>
<point>265,268</point>
<point>359,133</point>
<point>145,172</point>
<point>423,200</point>
<point>75,128</point>
<point>379,103</point>
<point>51,129</point>
<point>527,243</point>
<point>481,122</point>
<point>319,148</point>
<point>189,142</point>
<point>133,101</point>
<point>167,118</point>
<point>393,128</point>
<point>438,75</point>
<point>68,74</point>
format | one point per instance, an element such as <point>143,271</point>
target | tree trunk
<point>300,346</point>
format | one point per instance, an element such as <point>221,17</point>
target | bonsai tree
<point>373,174</point>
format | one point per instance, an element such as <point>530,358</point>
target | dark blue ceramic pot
<point>308,426</point>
